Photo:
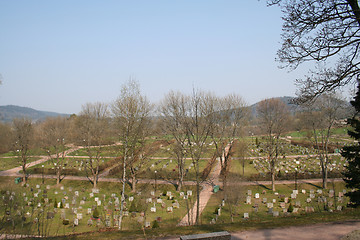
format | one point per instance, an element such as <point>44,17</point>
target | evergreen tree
<point>352,154</point>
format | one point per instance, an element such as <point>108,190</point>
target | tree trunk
<point>58,175</point>
<point>133,183</point>
<point>273,180</point>
<point>198,202</point>
<point>325,176</point>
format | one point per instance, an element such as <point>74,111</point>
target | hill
<point>287,100</point>
<point>9,112</point>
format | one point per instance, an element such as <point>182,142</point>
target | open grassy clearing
<point>72,166</point>
<point>7,163</point>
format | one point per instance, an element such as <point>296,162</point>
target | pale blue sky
<point>58,55</point>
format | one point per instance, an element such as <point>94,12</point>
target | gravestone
<point>275,213</point>
<point>270,210</point>
<point>308,200</point>
<point>303,191</point>
<point>264,200</point>
<point>169,209</point>
<point>67,206</point>
<point>282,204</point>
<point>246,215</point>
<point>257,195</point>
<point>79,215</point>
<point>50,215</point>
<point>248,200</point>
<point>249,192</point>
<point>131,199</point>
<point>76,222</point>
<point>189,193</point>
<point>90,222</point>
<point>153,209</point>
<point>270,205</point>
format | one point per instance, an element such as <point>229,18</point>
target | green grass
<point>9,163</point>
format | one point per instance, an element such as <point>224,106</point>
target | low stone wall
<point>208,236</point>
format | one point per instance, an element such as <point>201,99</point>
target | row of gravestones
<point>308,209</point>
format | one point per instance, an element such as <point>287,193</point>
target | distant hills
<point>9,112</point>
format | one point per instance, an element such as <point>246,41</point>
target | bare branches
<point>321,31</point>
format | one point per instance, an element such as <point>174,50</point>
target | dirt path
<point>15,171</point>
<point>327,231</point>
<point>205,193</point>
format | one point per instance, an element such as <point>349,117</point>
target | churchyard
<point>43,208</point>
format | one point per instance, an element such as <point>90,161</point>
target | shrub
<point>96,213</point>
<point>291,208</point>
<point>155,224</point>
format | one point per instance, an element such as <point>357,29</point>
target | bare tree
<point>229,116</point>
<point>173,111</point>
<point>321,31</point>
<point>93,127</point>
<point>5,135</point>
<point>23,134</point>
<point>52,133</point>
<point>273,115</point>
<point>131,113</point>
<point>319,118</point>
<point>191,118</point>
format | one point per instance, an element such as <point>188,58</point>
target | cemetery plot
<point>76,207</point>
<point>260,203</point>
<point>163,161</point>
<point>304,167</point>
